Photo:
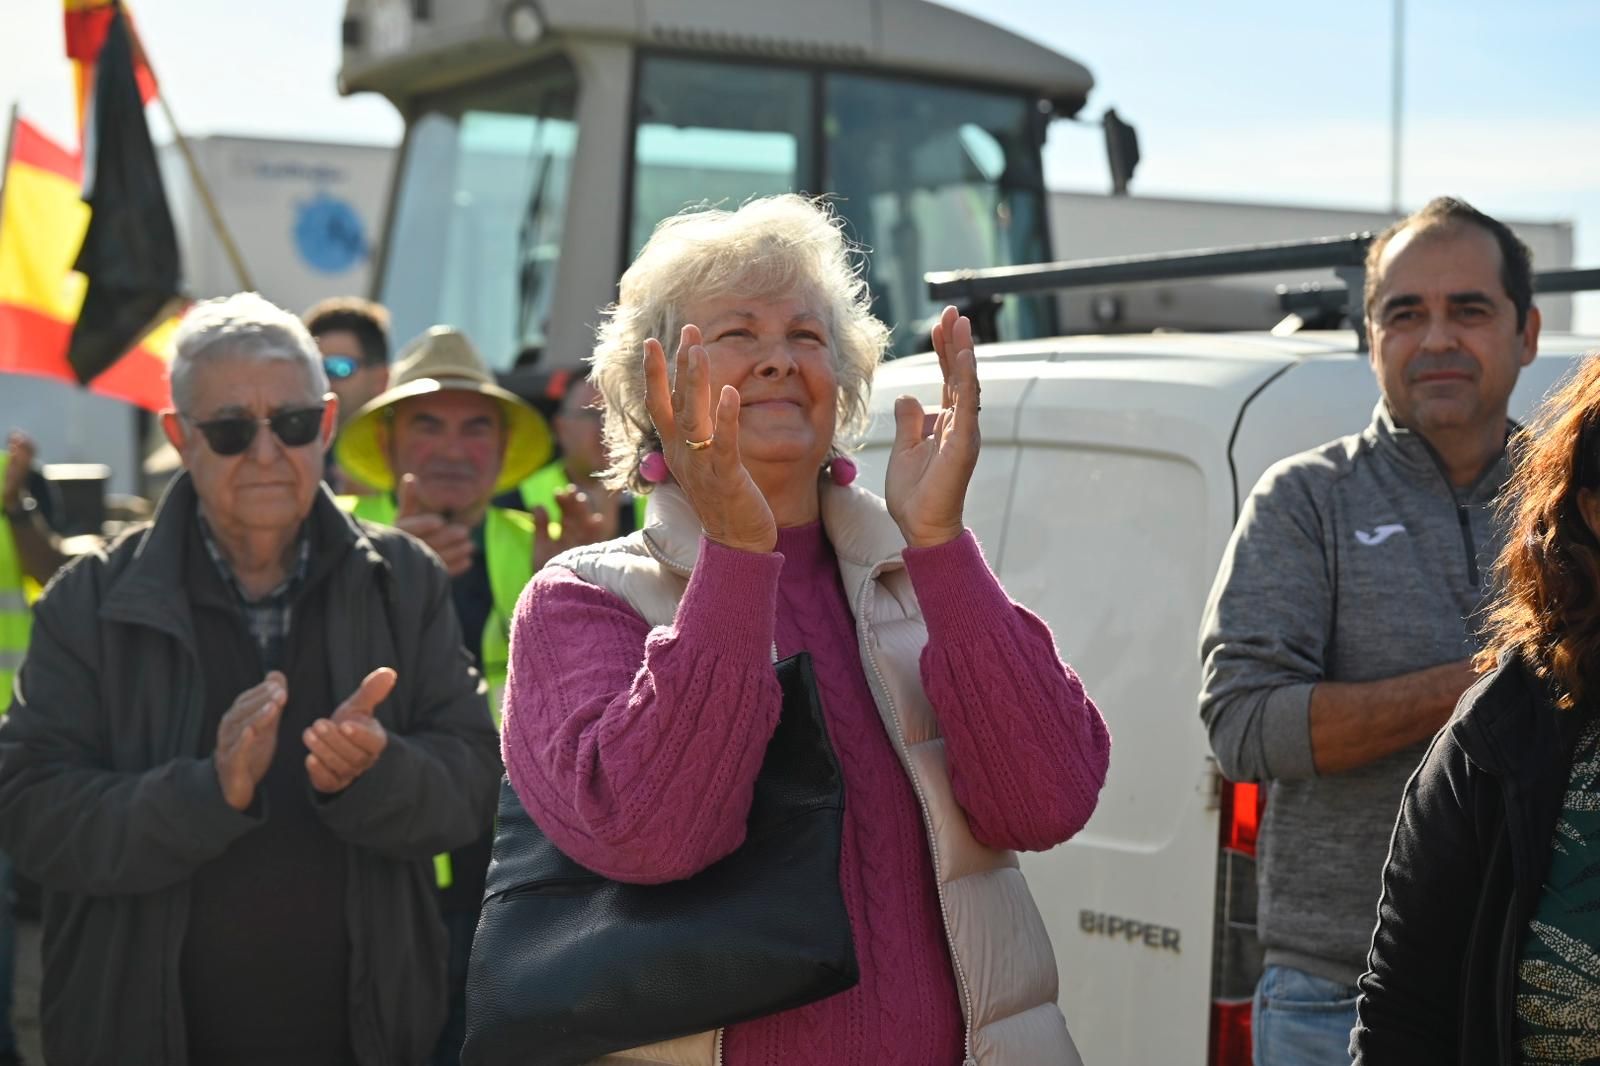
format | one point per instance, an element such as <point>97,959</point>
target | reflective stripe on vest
<point>444,874</point>
<point>16,620</point>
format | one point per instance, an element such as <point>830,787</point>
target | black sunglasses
<point>230,436</point>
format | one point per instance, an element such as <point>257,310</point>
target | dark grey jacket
<point>107,800</point>
<point>1355,561</point>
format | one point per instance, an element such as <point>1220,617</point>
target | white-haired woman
<point>635,748</point>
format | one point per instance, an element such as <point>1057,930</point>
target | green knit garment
<point>1558,975</point>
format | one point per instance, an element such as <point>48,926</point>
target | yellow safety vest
<point>16,616</point>
<point>508,546</point>
<point>540,489</point>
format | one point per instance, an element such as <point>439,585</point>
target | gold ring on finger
<point>699,445</point>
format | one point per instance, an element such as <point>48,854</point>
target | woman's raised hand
<point>934,455</point>
<point>701,446</point>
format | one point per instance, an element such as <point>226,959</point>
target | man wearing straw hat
<point>440,443</point>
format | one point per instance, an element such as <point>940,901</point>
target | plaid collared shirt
<point>268,617</point>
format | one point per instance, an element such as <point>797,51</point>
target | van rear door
<point>1104,499</point>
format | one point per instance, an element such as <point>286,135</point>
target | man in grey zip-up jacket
<point>1336,638</point>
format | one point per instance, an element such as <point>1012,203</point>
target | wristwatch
<point>22,509</point>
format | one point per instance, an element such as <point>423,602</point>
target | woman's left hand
<point>934,455</point>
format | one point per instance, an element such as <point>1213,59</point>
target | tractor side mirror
<point>1122,151</point>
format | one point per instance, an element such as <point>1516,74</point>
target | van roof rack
<point>1314,306</point>
<point>978,290</point>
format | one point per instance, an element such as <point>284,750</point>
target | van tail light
<point>1242,804</point>
<point>1230,1033</point>
<point>1236,965</point>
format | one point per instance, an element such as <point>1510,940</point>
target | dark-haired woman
<point>1485,950</point>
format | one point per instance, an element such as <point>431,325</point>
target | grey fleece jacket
<point>1356,561</point>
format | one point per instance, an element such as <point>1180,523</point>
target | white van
<point>1111,475</point>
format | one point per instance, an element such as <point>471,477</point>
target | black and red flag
<point>130,250</point>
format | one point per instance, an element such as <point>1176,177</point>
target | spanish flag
<point>42,224</point>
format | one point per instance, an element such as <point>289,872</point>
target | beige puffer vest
<point>1004,965</point>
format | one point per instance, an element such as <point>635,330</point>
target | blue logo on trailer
<point>328,234</point>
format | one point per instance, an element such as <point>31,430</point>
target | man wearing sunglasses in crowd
<point>353,336</point>
<point>241,733</point>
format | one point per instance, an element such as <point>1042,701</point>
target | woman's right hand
<point>722,492</point>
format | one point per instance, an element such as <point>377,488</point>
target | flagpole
<point>201,188</point>
<point>1397,89</point>
<point>206,200</point>
<point>5,160</point>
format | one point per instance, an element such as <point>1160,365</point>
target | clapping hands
<point>701,445</point>
<point>934,456</point>
<point>579,524</point>
<point>451,541</point>
<point>345,745</point>
<point>340,748</point>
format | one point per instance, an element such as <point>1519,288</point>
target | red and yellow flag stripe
<point>86,23</point>
<point>42,222</point>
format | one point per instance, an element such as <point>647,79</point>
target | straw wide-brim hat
<point>443,360</point>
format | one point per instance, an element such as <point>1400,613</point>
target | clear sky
<point>1240,100</point>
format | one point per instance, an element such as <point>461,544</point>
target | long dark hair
<point>1547,608</point>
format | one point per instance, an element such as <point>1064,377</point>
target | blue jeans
<point>1301,1020</point>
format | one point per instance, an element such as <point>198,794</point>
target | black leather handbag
<point>568,965</point>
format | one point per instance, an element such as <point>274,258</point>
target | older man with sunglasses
<point>241,733</point>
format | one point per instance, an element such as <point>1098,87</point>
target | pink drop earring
<point>653,468</point>
<point>842,470</point>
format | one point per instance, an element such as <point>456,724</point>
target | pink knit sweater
<point>635,750</point>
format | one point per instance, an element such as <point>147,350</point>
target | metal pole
<point>961,286</point>
<point>224,237</point>
<point>203,190</point>
<point>1398,79</point>
<point>5,160</point>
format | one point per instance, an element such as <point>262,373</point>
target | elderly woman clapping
<point>635,748</point>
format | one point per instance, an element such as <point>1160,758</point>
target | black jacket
<point>1469,855</point>
<point>108,800</point>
